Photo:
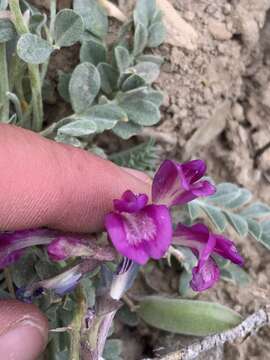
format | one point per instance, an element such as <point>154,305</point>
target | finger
<point>23,331</point>
<point>44,183</point>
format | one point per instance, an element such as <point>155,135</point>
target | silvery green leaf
<point>84,86</point>
<point>226,193</point>
<point>189,317</point>
<point>155,97</point>
<point>265,225</point>
<point>93,51</point>
<point>94,17</point>
<point>126,130</point>
<point>265,240</point>
<point>193,210</point>
<point>235,274</point>
<point>23,272</point>
<point>63,85</point>
<point>256,210</point>
<point>7,30</point>
<point>190,259</point>
<point>32,49</point>
<point>105,117</point>
<point>3,4</point>
<point>140,39</point>
<point>156,34</point>
<point>122,58</point>
<point>184,288</point>
<point>68,27</point>
<point>89,290</point>
<point>98,151</point>
<point>141,112</point>
<point>239,223</point>
<point>215,215</point>
<point>156,59</point>
<point>103,100</point>
<point>132,82</point>
<point>128,317</point>
<point>113,349</point>
<point>108,77</point>
<point>133,95</point>
<point>144,12</point>
<point>254,229</point>
<point>241,200</point>
<point>69,140</point>
<point>78,127</point>
<point>158,16</point>
<point>147,70</point>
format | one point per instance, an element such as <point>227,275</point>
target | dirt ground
<point>217,107</point>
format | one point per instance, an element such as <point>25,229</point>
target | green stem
<point>76,325</point>
<point>4,85</point>
<point>34,75</point>
<point>16,102</point>
<point>53,15</point>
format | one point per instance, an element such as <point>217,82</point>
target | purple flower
<point>13,244</point>
<point>68,246</point>
<point>137,230</point>
<point>204,244</point>
<point>177,184</point>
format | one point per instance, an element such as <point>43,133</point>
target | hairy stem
<point>33,70</point>
<point>4,85</point>
<point>76,325</point>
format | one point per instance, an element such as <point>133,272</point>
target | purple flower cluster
<point>141,231</point>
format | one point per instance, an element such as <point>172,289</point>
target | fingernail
<point>23,342</point>
<point>138,174</point>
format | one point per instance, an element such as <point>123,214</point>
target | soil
<point>217,105</point>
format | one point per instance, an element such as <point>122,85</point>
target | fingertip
<point>23,331</point>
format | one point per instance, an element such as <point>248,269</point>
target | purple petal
<point>13,243</point>
<point>68,246</point>
<point>114,224</point>
<point>141,235</point>
<point>205,276</point>
<point>130,202</point>
<point>176,184</point>
<point>193,170</point>
<point>157,247</point>
<point>65,247</point>
<point>226,248</point>
<point>205,243</point>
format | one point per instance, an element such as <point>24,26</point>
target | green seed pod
<point>188,317</point>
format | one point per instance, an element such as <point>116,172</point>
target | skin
<point>44,183</point>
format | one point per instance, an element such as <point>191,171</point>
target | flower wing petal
<point>117,231</point>
<point>161,217</point>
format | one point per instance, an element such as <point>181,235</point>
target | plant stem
<point>16,102</point>
<point>75,332</point>
<point>34,75</point>
<point>9,282</point>
<point>53,14</point>
<point>4,85</point>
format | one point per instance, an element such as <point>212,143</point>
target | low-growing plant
<point>77,280</point>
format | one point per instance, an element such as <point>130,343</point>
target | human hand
<point>44,183</point>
